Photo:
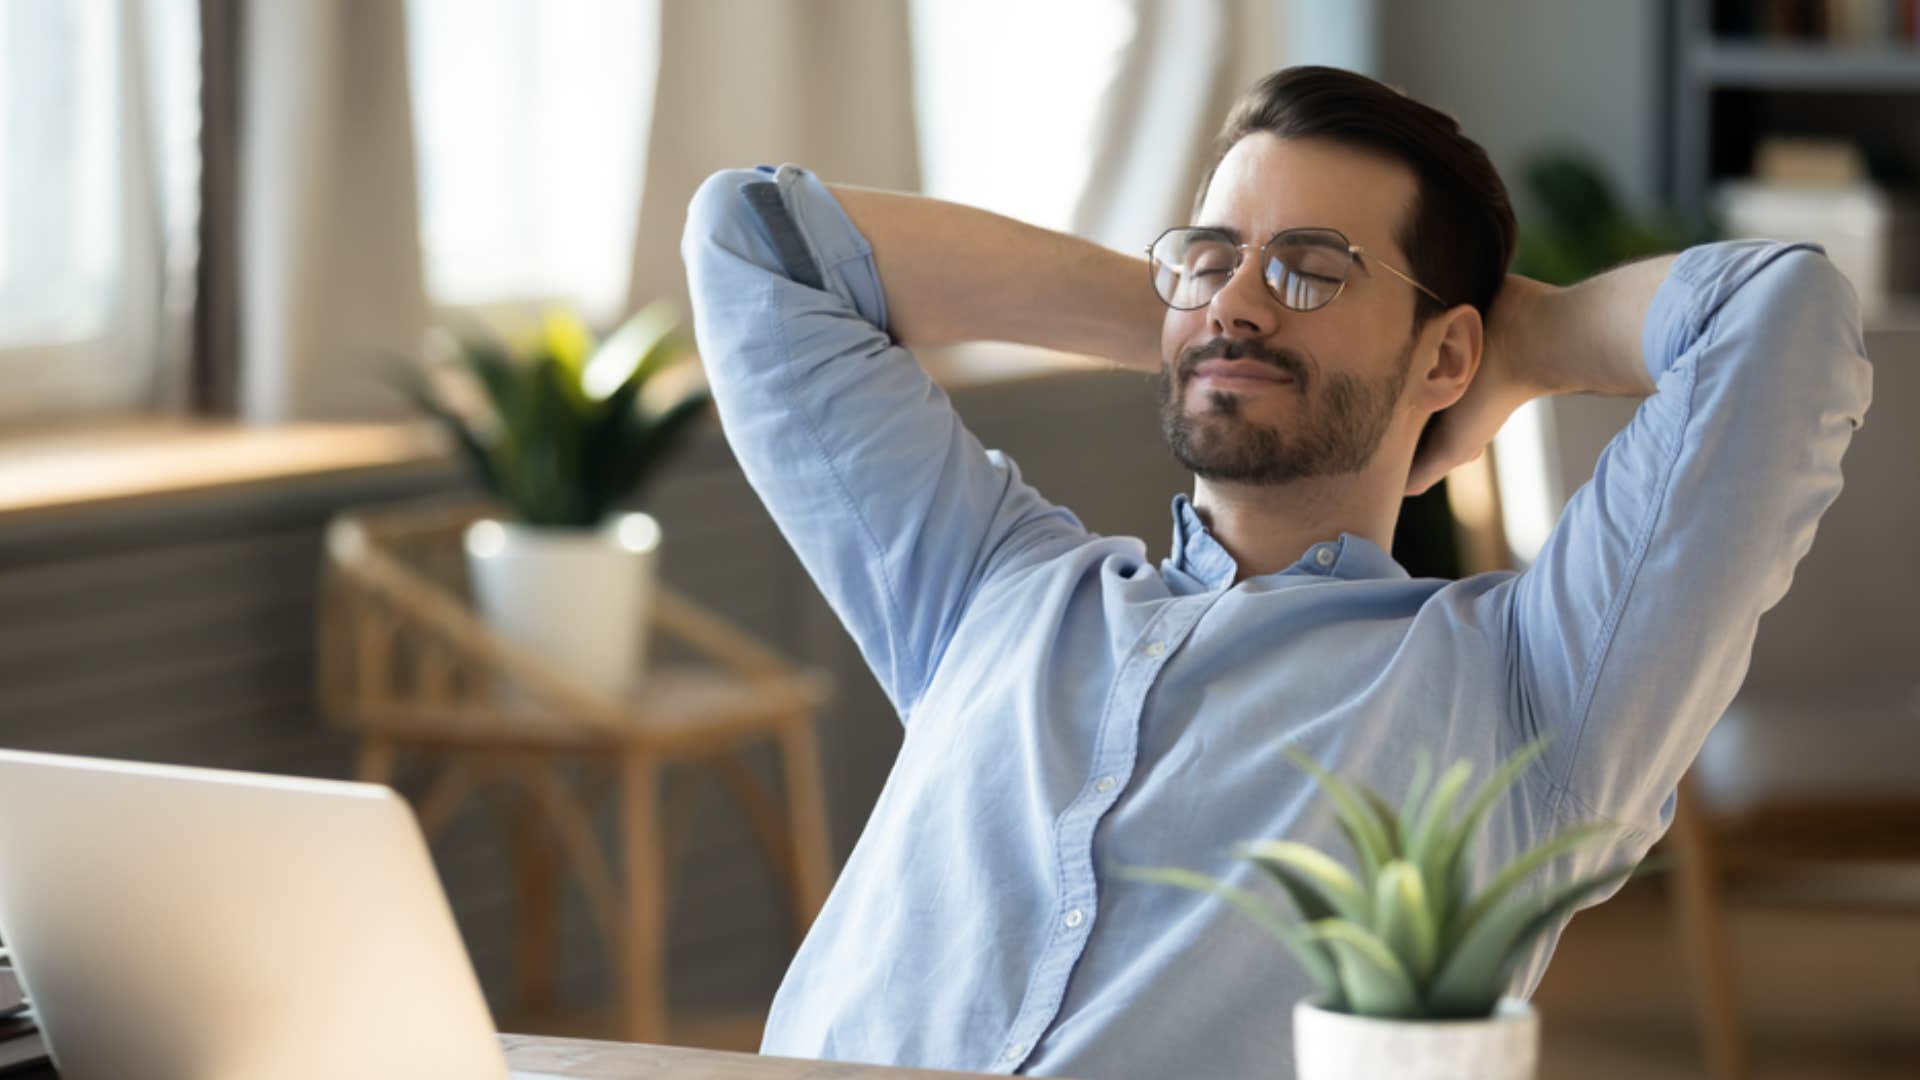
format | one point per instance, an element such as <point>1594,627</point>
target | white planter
<point>1336,1046</point>
<point>578,598</point>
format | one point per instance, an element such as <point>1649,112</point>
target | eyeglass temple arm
<point>1361,253</point>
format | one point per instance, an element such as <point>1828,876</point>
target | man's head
<point>1321,147</point>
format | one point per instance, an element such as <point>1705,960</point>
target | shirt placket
<point>1114,756</point>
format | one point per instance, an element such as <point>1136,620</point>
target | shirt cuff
<point>832,238</point>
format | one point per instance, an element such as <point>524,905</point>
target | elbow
<point>1806,320</point>
<point>718,217</point>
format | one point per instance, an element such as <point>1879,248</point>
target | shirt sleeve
<point>1633,629</point>
<point>894,508</point>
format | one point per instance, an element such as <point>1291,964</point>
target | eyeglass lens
<point>1303,267</point>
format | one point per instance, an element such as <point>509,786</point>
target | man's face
<point>1290,394</point>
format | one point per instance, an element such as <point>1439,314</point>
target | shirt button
<point>1075,918</point>
<point>1016,1052</point>
<point>1104,785</point>
<point>1324,556</point>
<point>1155,648</point>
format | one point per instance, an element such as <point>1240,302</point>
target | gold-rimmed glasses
<point>1304,268</point>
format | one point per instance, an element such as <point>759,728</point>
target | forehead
<point>1266,184</point>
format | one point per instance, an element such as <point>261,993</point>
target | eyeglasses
<point>1303,268</point>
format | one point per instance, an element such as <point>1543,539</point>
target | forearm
<point>955,273</point>
<point>1586,339</point>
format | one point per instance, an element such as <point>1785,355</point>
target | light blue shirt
<point>1072,708</point>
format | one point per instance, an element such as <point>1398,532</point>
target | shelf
<point>1805,67</point>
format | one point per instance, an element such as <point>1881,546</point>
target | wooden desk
<point>537,1057</point>
<point>534,1057</point>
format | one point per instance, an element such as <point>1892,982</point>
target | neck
<point>1268,528</point>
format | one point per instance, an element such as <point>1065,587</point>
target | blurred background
<point>227,227</point>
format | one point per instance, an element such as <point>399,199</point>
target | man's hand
<point>1540,340</point>
<point>1508,378</point>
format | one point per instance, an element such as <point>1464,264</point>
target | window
<point>98,190</point>
<point>1007,95</point>
<point>530,123</point>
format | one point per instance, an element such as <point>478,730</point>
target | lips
<point>1244,372</point>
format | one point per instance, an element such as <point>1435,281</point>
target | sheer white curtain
<point>1008,99</point>
<point>1091,116</point>
<point>403,159</point>
<point>826,84</point>
<point>98,201</point>
<point>531,121</point>
<point>330,284</point>
<point>1178,75</point>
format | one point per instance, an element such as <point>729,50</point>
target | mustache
<point>1287,360</point>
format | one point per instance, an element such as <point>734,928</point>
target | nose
<point>1244,307</point>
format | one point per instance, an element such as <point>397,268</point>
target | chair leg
<point>536,944</point>
<point>807,814</point>
<point>643,968</point>
<point>374,764</point>
<point>1701,920</point>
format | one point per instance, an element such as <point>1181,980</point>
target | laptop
<point>173,922</point>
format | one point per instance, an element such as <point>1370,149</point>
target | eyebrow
<point>1238,237</point>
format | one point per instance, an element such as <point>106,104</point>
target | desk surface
<point>534,1057</point>
<point>537,1057</point>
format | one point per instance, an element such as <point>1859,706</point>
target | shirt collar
<point>1197,554</point>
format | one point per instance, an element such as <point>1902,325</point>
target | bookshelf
<point>1745,69</point>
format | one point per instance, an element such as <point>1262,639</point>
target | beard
<point>1343,418</point>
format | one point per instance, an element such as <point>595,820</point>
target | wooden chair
<point>1819,781</point>
<point>407,664</point>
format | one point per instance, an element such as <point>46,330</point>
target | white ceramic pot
<point>579,598</point>
<point>1337,1046</point>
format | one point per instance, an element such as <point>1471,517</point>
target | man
<point>1071,709</point>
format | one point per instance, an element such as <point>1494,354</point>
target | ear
<point>1452,357</point>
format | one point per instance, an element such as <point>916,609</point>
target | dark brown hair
<point>1459,233</point>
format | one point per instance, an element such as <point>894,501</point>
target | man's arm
<point>955,273</point>
<point>1542,340</point>
<point>1632,630</point>
<point>894,508</point>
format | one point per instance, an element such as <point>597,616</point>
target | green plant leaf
<point>654,441</point>
<point>1403,920</point>
<point>1446,854</point>
<point>1389,821</point>
<point>412,384</point>
<point>1375,982</point>
<point>634,352</point>
<point>1476,971</point>
<point>1416,791</point>
<point>1528,863</point>
<point>1358,817</point>
<point>1436,813</point>
<point>499,375</point>
<point>1318,885</point>
<point>1312,955</point>
<point>1429,833</point>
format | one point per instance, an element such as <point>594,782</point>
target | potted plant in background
<point>1577,227</point>
<point>1411,963</point>
<point>564,431</point>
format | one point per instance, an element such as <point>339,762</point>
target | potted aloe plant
<point>1411,962</point>
<point>564,431</point>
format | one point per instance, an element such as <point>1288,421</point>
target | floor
<point>1825,994</point>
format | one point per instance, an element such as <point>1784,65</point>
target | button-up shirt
<point>1072,709</point>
